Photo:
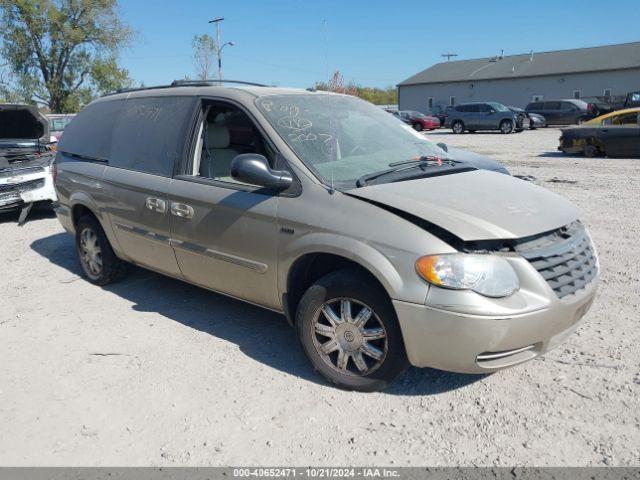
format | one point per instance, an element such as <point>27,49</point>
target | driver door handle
<point>181,210</point>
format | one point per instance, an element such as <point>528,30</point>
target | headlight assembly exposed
<point>488,275</point>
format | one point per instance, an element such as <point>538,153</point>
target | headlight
<point>488,275</point>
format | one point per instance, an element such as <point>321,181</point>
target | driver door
<point>225,233</point>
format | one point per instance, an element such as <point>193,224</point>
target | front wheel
<point>457,127</point>
<point>506,127</point>
<point>349,331</point>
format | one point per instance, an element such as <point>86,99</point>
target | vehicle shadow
<point>37,212</point>
<point>559,155</point>
<point>232,320</point>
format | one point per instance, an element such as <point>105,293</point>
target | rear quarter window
<point>150,134</point>
<point>89,133</point>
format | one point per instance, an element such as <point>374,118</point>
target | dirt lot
<point>152,371</point>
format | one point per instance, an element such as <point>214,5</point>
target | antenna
<point>449,56</point>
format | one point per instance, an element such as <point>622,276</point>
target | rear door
<point>148,138</point>
<point>469,115</point>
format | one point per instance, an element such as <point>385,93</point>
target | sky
<point>372,43</point>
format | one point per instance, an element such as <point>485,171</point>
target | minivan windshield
<point>343,138</point>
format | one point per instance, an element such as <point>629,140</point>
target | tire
<point>99,264</point>
<point>417,127</point>
<point>506,127</point>
<point>381,359</point>
<point>591,151</point>
<point>457,127</point>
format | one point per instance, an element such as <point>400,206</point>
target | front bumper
<point>470,343</point>
<point>21,189</point>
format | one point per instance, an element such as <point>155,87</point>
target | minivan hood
<point>476,205</point>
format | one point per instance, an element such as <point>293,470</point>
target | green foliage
<point>378,96</point>
<point>63,52</point>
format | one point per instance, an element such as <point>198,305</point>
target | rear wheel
<point>457,127</point>
<point>506,126</point>
<point>349,331</point>
<point>417,127</point>
<point>99,263</point>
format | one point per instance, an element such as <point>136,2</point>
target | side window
<point>227,132</point>
<point>484,108</point>
<point>535,106</point>
<point>628,119</point>
<point>551,105</point>
<point>89,133</point>
<point>569,106</point>
<point>461,108</point>
<point>150,133</point>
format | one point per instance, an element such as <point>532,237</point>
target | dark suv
<point>562,112</point>
<point>483,116</point>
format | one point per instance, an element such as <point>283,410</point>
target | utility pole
<point>449,56</point>
<point>218,46</point>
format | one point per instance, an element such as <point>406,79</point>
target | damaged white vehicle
<point>26,159</point>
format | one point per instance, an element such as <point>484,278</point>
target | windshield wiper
<point>422,162</point>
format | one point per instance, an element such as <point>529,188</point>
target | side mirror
<point>254,169</point>
<point>443,146</point>
<point>492,111</point>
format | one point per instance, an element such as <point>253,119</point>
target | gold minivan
<point>381,248</point>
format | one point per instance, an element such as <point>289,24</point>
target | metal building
<point>587,73</point>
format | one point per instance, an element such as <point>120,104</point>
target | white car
<point>26,159</point>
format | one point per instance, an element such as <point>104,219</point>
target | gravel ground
<point>152,371</point>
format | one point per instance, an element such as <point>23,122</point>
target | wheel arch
<point>303,266</point>
<point>82,204</point>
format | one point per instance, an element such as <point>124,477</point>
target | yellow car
<point>628,116</point>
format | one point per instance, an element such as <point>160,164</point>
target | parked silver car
<point>380,249</point>
<point>484,116</point>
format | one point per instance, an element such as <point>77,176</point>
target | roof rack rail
<point>185,83</point>
<point>209,82</point>
<point>135,89</point>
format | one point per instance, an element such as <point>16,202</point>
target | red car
<point>418,120</point>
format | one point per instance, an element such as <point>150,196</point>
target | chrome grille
<point>22,187</point>
<point>12,172</point>
<point>566,259</point>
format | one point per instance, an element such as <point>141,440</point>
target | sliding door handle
<point>181,210</point>
<point>156,205</point>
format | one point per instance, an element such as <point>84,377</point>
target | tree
<point>379,96</point>
<point>204,55</point>
<point>64,52</point>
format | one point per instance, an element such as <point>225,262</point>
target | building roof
<point>594,59</point>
